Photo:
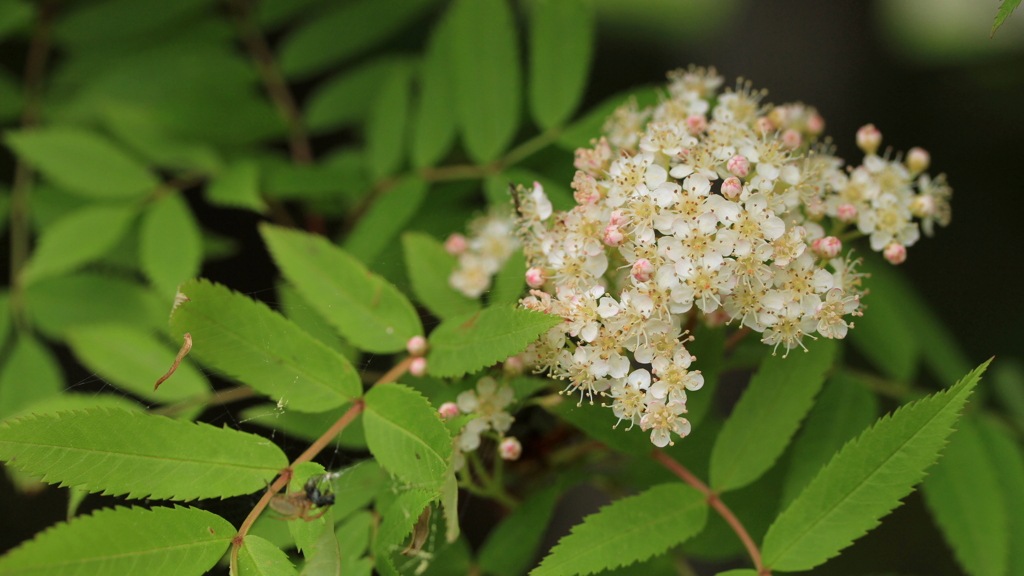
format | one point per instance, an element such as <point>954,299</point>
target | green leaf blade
<point>1005,9</point>
<point>171,244</point>
<point>386,126</point>
<point>561,47</point>
<point>433,127</point>
<point>398,522</point>
<point>429,266</point>
<point>346,97</point>
<point>30,374</point>
<point>76,239</point>
<point>387,216</point>
<point>513,543</point>
<point>237,186</point>
<point>1005,453</point>
<point>260,557</point>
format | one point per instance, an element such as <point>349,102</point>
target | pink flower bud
<point>449,410</point>
<point>846,212</point>
<point>792,139</point>
<point>617,218</point>
<point>535,277</point>
<point>732,188</point>
<point>918,160</point>
<point>696,123</point>
<point>738,165</point>
<point>510,448</point>
<point>613,236</point>
<point>895,253</point>
<point>418,368</point>
<point>764,125</point>
<point>642,270</point>
<point>815,124</point>
<point>417,346</point>
<point>456,244</point>
<point>827,247</point>
<point>513,366</point>
<point>869,138</point>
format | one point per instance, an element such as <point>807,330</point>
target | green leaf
<point>601,424</point>
<point>561,47</point>
<point>296,309</point>
<point>174,541</point>
<point>768,414</point>
<point>251,343</point>
<point>628,530</point>
<point>82,162</point>
<point>864,481</point>
<point>115,21</point>
<point>346,97</point>
<point>139,129</point>
<point>845,408</point>
<point>78,401</point>
<point>367,310</point>
<point>1005,454</point>
<point>337,179</point>
<point>387,124</point>
<point>738,572</point>
<point>271,13</point>
<point>1008,382</point>
<point>398,523</point>
<point>57,304</point>
<point>1005,9</point>
<point>30,374</point>
<point>429,266</point>
<point>305,533</point>
<point>357,486</point>
<point>141,455</point>
<point>406,435</point>
<point>433,126</point>
<point>512,545</point>
<point>580,133</point>
<point>77,239</point>
<point>258,557</point>
<point>709,349</point>
<point>967,501</point>
<point>133,360</point>
<point>464,344</point>
<point>353,535</point>
<point>307,426</point>
<point>171,245</point>
<point>5,317</point>
<point>510,282</point>
<point>387,216</point>
<point>487,76</point>
<point>238,186</point>
<point>15,15</point>
<point>12,98</point>
<point>324,555</point>
<point>344,32</point>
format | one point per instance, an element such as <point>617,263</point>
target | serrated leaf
<point>768,414</point>
<point>82,162</point>
<point>628,530</point>
<point>1005,9</point>
<point>510,281</point>
<point>433,126</point>
<point>844,409</point>
<point>396,526</point>
<point>346,97</point>
<point>345,31</point>
<point>30,374</point>
<point>1006,456</point>
<point>77,401</point>
<point>429,266</point>
<point>967,501</point>
<point>258,557</point>
<point>485,59</point>
<point>142,455</point>
<point>367,310</point>
<point>864,481</point>
<point>237,186</point>
<point>171,245</point>
<point>464,344</point>
<point>296,309</point>
<point>133,360</point>
<point>387,124</point>
<point>581,132</point>
<point>512,545</point>
<point>248,341</point>
<point>406,435</point>
<point>76,239</point>
<point>57,304</point>
<point>561,47</point>
<point>175,541</point>
<point>387,216</point>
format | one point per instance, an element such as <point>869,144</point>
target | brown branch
<point>715,502</point>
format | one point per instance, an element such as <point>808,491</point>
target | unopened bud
<point>846,212</point>
<point>456,244</point>
<point>616,218</point>
<point>613,236</point>
<point>922,206</point>
<point>417,346</point>
<point>418,367</point>
<point>815,124</point>
<point>732,188</point>
<point>642,270</point>
<point>918,160</point>
<point>696,124</point>
<point>449,410</point>
<point>895,253</point>
<point>827,247</point>
<point>535,277</point>
<point>764,125</point>
<point>513,366</point>
<point>792,139</point>
<point>738,165</point>
<point>869,138</point>
<point>510,449</point>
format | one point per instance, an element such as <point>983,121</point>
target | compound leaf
<point>76,239</point>
<point>142,455</point>
<point>260,557</point>
<point>367,310</point>
<point>864,481</point>
<point>388,214</point>
<point>170,243</point>
<point>561,46</point>
<point>512,545</point>
<point>406,435</point>
<point>768,414</point>
<point>464,344</point>
<point>628,530</point>
<point>429,265</point>
<point>172,541</point>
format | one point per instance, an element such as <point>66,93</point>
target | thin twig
<point>715,502</point>
<point>216,399</point>
<point>177,360</point>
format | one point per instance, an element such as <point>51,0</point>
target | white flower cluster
<point>491,242</point>
<point>709,206</point>
<point>488,402</point>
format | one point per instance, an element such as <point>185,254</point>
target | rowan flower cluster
<point>716,207</point>
<point>489,403</point>
<point>492,240</point>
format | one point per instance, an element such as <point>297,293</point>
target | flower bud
<point>696,123</point>
<point>918,160</point>
<point>827,247</point>
<point>923,206</point>
<point>449,410</point>
<point>792,139</point>
<point>895,253</point>
<point>510,448</point>
<point>732,188</point>
<point>613,236</point>
<point>846,212</point>
<point>815,124</point>
<point>738,165</point>
<point>513,366</point>
<point>869,138</point>
<point>418,368</point>
<point>535,277</point>
<point>764,125</point>
<point>642,270</point>
<point>456,244</point>
<point>417,346</point>
<point>616,218</point>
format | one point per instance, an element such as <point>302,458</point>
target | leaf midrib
<point>226,539</point>
<point>144,456</point>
